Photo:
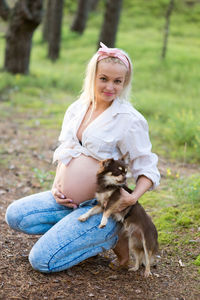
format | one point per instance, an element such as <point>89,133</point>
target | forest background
<point>166,91</point>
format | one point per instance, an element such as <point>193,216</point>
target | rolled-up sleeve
<point>65,124</point>
<point>137,144</point>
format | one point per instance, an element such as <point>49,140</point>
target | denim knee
<point>44,263</point>
<point>12,216</point>
<point>38,262</point>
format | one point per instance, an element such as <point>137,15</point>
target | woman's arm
<point>143,184</point>
<point>136,142</point>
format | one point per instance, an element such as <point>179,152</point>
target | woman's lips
<point>108,94</point>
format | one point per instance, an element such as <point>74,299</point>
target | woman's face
<point>109,81</point>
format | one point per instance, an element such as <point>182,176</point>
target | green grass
<point>44,178</point>
<point>174,208</point>
<point>197,262</point>
<point>166,92</point>
<point>175,211</point>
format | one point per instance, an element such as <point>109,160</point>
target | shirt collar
<point>117,107</point>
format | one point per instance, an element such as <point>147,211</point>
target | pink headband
<point>112,52</point>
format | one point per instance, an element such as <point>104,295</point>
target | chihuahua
<point>136,223</point>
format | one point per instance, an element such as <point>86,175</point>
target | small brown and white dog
<point>137,225</point>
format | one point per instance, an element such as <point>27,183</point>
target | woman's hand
<point>61,199</point>
<point>126,199</point>
<point>143,184</point>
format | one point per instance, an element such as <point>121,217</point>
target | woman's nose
<point>109,86</point>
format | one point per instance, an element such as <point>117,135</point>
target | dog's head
<point>112,172</point>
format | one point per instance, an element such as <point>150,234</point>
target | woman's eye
<point>118,81</point>
<point>102,78</point>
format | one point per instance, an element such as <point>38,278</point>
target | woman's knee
<point>12,216</point>
<point>63,259</point>
<point>38,260</point>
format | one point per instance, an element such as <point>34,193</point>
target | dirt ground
<point>23,148</point>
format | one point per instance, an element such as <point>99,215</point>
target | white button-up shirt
<point>120,129</point>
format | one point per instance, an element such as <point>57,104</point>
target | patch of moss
<point>166,237</point>
<point>184,221</point>
<point>197,261</point>
<point>168,217</point>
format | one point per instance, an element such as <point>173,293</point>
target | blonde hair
<point>88,95</point>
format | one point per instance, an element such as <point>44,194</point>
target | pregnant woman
<point>100,124</point>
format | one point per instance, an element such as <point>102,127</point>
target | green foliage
<point>175,209</point>
<point>187,10</point>
<point>43,177</point>
<point>166,92</point>
<point>197,261</point>
<point>70,6</point>
<point>189,189</point>
<point>183,130</point>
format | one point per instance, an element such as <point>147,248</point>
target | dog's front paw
<point>102,225</point>
<point>104,221</point>
<point>82,218</point>
<point>147,273</point>
<point>133,269</point>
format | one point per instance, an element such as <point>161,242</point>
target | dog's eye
<point>120,168</point>
<point>126,169</point>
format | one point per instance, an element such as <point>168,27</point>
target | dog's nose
<point>120,178</point>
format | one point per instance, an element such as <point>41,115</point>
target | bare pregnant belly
<point>77,180</point>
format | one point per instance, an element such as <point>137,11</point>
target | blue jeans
<point>65,241</point>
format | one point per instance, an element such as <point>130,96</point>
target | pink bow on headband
<point>112,52</point>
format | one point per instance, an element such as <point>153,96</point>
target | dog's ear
<point>124,157</point>
<point>102,165</point>
<point>106,162</point>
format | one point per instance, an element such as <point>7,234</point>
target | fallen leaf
<point>181,263</point>
<point>113,277</point>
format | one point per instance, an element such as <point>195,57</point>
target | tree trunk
<point>167,23</point>
<point>47,20</point>
<point>93,4</point>
<point>81,17</point>
<point>4,10</point>
<point>55,28</point>
<point>110,24</point>
<point>26,16</point>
